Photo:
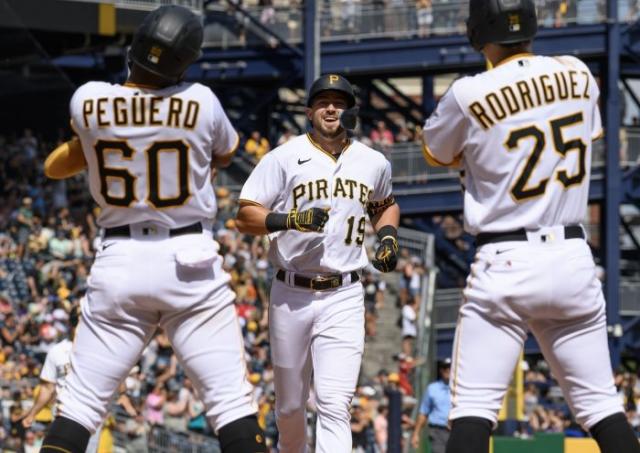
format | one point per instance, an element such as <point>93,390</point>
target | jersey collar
<point>514,57</point>
<point>320,148</point>
<point>140,85</point>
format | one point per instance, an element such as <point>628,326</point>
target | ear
<point>308,112</point>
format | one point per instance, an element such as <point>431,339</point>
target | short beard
<point>326,133</point>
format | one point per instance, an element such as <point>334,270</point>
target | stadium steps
<point>379,351</point>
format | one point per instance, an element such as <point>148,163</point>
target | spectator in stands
<point>268,13</point>
<point>53,377</point>
<point>24,219</point>
<point>286,136</point>
<point>381,427</point>
<point>405,133</point>
<point>377,16</point>
<point>257,146</point>
<point>373,300</point>
<point>154,413</point>
<point>561,14</point>
<point>434,410</point>
<point>409,327</point>
<point>381,137</point>
<point>363,439</point>
<point>348,16</point>
<point>424,16</point>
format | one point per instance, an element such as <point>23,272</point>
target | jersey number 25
<point>521,189</point>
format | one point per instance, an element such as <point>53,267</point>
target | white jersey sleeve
<point>444,133</point>
<point>596,121</point>
<point>49,372</point>
<point>265,182</point>
<point>383,189</point>
<point>226,138</point>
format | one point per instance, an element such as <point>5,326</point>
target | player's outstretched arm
<point>258,220</point>
<point>66,160</point>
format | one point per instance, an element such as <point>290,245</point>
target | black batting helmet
<point>167,42</point>
<point>501,22</point>
<point>333,82</point>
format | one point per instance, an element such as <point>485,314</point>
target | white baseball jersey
<point>136,140</point>
<point>56,365</point>
<point>522,132</point>
<point>300,175</point>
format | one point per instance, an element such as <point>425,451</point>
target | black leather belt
<point>438,426</point>
<point>319,283</point>
<point>570,232</point>
<point>125,231</point>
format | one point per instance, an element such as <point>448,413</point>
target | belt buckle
<point>334,282</point>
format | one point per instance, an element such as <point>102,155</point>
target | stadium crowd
<point>357,19</point>
<point>48,235</point>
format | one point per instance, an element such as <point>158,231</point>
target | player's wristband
<point>276,221</point>
<point>387,231</point>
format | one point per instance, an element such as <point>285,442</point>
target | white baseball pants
<point>323,333</point>
<point>135,286</point>
<point>551,288</point>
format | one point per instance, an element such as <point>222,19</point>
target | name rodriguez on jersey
<point>530,93</point>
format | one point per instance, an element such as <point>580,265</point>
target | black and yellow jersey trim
<point>141,86</point>
<point>244,201</point>
<point>234,148</point>
<point>324,151</point>
<point>434,162</point>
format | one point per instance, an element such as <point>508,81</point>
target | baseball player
<point>312,196</point>
<point>53,377</point>
<point>522,133</point>
<point>149,146</point>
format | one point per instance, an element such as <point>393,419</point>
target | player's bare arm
<point>258,220</point>
<point>66,160</point>
<point>46,395</point>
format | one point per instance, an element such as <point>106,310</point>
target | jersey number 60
<point>152,154</point>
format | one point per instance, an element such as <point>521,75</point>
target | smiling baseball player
<point>312,196</point>
<point>149,146</point>
<point>523,134</point>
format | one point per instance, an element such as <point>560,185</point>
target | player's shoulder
<point>92,89</point>
<point>196,88</point>
<point>61,347</point>
<point>568,61</point>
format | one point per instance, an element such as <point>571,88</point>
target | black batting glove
<point>312,219</point>
<point>386,258</point>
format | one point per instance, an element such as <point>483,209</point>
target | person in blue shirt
<point>434,410</point>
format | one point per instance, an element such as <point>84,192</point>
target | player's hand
<point>27,421</point>
<point>415,440</point>
<point>312,219</point>
<point>386,258</point>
